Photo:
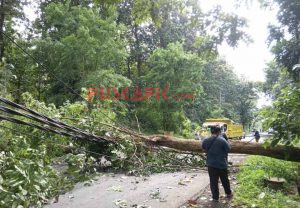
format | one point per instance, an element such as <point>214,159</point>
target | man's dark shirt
<point>256,134</point>
<point>217,154</point>
<point>225,136</point>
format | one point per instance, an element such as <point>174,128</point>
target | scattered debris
<point>121,203</point>
<point>155,194</point>
<point>104,162</point>
<point>140,206</point>
<point>115,189</point>
<point>192,202</point>
<point>184,181</point>
<point>71,196</point>
<point>194,176</point>
<point>134,188</point>
<point>88,183</point>
<point>162,200</point>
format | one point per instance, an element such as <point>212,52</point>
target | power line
<point>44,128</point>
<point>61,145</point>
<point>45,119</point>
<point>54,143</point>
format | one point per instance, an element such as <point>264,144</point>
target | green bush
<point>26,178</point>
<point>251,190</point>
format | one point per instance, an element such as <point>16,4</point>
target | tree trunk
<point>138,51</point>
<point>1,30</point>
<point>189,145</point>
<point>128,69</point>
<point>279,152</point>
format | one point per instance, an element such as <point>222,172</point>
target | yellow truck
<point>230,128</point>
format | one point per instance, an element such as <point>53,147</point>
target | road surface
<point>165,190</point>
<point>250,137</point>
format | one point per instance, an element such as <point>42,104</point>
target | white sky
<point>247,60</point>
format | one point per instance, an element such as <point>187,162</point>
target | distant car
<point>270,131</point>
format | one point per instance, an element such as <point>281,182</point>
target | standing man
<point>256,135</point>
<point>217,149</point>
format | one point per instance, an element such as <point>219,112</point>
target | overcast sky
<point>247,60</point>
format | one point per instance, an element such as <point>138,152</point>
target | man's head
<point>215,130</point>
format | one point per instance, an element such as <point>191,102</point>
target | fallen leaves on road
<point>184,181</point>
<point>115,189</point>
<point>121,203</point>
<point>156,195</point>
<point>71,196</point>
<point>140,206</point>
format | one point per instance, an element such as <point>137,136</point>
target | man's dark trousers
<point>214,175</point>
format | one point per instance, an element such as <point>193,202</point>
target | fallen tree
<point>189,145</point>
<point>279,151</point>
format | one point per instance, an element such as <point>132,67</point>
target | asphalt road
<point>165,190</point>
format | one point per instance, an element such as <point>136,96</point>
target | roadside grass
<point>253,191</point>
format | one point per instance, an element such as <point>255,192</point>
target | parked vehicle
<point>229,127</point>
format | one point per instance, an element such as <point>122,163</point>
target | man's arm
<point>226,146</point>
<point>225,137</point>
<point>204,144</point>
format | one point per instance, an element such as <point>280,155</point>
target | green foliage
<point>80,45</point>
<point>251,190</point>
<point>284,116</point>
<point>224,95</point>
<point>286,35</point>
<point>26,177</point>
<point>273,81</point>
<point>76,161</point>
<point>245,102</point>
<point>283,74</point>
<point>81,167</point>
<point>126,43</point>
<point>137,159</point>
<point>120,43</point>
<point>174,68</point>
<point>187,129</point>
